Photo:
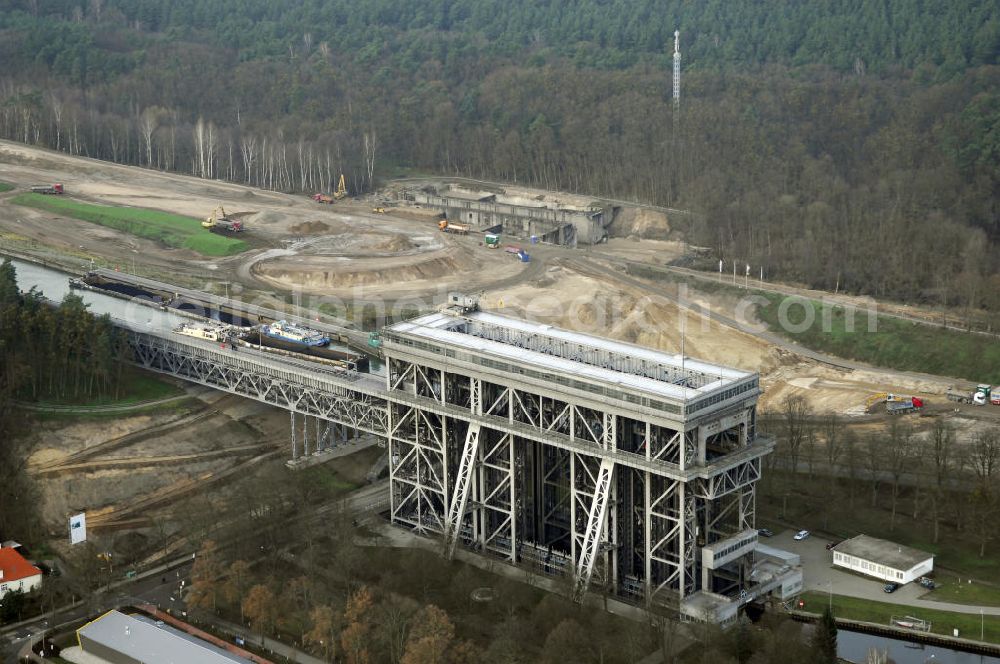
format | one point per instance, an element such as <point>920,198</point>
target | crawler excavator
<point>220,223</point>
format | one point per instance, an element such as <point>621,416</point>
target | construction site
<point>571,416</point>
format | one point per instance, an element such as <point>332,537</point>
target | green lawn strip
<point>327,481</point>
<point>960,591</point>
<point>896,343</point>
<point>942,622</point>
<point>171,229</point>
<point>4,186</point>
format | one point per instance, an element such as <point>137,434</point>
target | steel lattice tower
<point>677,68</point>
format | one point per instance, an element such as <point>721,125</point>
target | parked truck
<point>55,189</point>
<point>980,396</point>
<point>904,405</point>
<point>492,240</point>
<point>448,227</point>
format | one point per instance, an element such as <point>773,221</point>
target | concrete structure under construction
<point>630,469</point>
<point>517,217</point>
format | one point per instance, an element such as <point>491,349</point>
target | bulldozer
<point>378,210</point>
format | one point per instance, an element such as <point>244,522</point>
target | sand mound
<point>642,223</point>
<point>394,243</point>
<point>309,228</point>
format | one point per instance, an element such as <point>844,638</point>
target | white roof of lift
<point>435,326</point>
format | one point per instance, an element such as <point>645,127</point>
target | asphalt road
<point>158,588</point>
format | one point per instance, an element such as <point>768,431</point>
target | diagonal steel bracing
<point>595,527</point>
<point>460,497</point>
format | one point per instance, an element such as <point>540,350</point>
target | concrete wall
<point>556,226</point>
<point>883,572</point>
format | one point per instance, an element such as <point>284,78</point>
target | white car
<point>801,535</point>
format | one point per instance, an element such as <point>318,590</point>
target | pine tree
<point>825,639</point>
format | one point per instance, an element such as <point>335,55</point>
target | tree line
<point>46,352</point>
<point>938,475</point>
<point>883,183</point>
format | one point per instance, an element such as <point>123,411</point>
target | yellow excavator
<point>341,189</point>
<point>220,222</point>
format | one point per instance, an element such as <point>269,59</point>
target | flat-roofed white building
<point>119,638</point>
<point>882,559</point>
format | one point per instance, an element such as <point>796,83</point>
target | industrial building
<point>16,573</point>
<point>118,638</point>
<point>491,212</point>
<point>883,559</point>
<point>629,469</point>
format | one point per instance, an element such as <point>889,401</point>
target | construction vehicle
<point>375,339</point>
<point>980,396</point>
<point>901,405</point>
<point>219,222</point>
<point>56,189</point>
<point>995,395</point>
<point>894,403</point>
<point>448,227</point>
<point>378,210</point>
<point>492,240</point>
<point>337,195</point>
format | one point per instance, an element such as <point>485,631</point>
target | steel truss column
<point>460,498</point>
<point>596,522</point>
<point>495,494</point>
<point>419,468</point>
<point>295,444</point>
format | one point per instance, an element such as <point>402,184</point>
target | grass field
<point>894,343</point>
<point>171,229</point>
<point>4,186</point>
<point>960,591</point>
<point>942,622</point>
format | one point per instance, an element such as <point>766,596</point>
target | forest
<point>852,147</point>
<point>46,353</point>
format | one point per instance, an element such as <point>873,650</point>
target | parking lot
<point>818,574</point>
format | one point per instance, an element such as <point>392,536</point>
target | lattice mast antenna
<point>677,68</point>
